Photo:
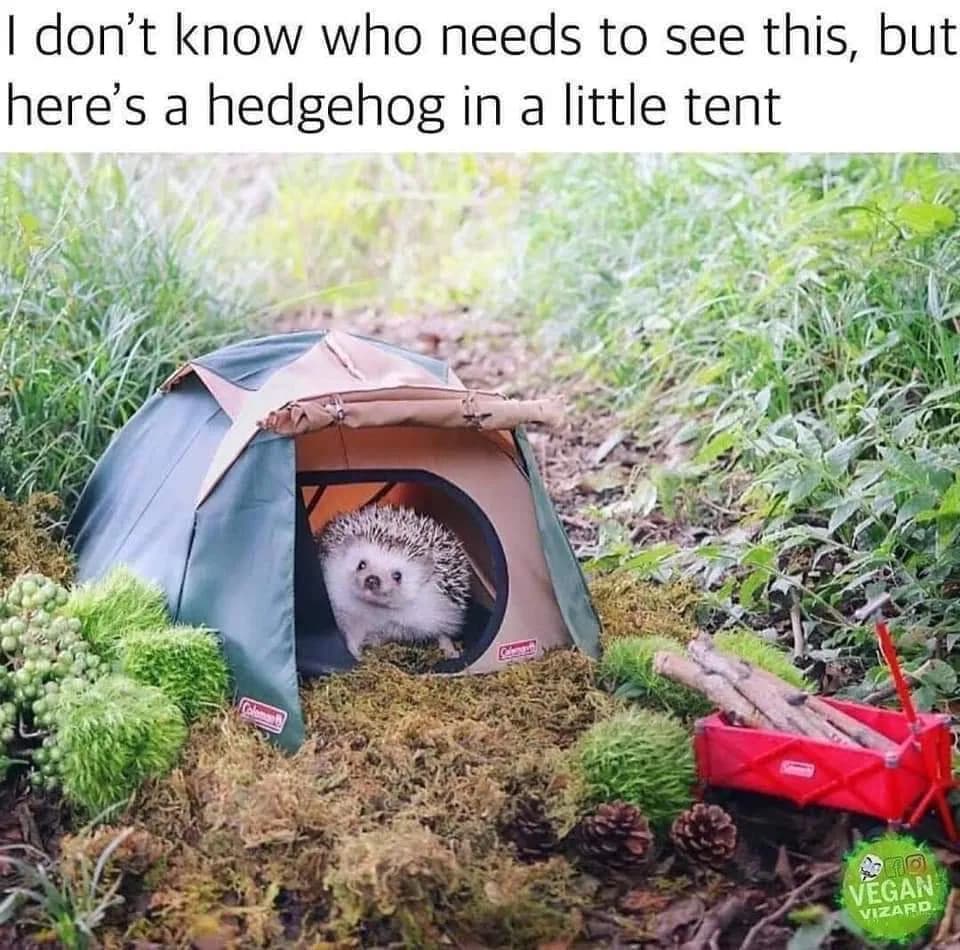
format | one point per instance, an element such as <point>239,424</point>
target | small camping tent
<point>216,487</point>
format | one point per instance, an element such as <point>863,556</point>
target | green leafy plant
<point>627,664</point>
<point>112,736</point>
<point>186,663</point>
<point>642,757</point>
<point>70,912</point>
<point>754,649</point>
<point>115,604</point>
<point>808,419</point>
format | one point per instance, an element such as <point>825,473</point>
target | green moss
<point>113,735</point>
<point>186,663</point>
<point>117,603</point>
<point>629,606</point>
<point>627,665</point>
<point>754,649</point>
<point>27,544</point>
<point>642,757</point>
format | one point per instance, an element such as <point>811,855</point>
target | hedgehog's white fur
<point>393,574</point>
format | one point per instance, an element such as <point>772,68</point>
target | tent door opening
<point>321,496</point>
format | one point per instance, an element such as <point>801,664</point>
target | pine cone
<point>529,831</point>
<point>705,834</point>
<point>616,836</point>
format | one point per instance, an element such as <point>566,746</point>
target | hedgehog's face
<point>383,577</point>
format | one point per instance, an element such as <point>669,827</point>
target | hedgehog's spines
<point>415,535</point>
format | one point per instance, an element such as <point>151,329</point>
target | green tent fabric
<point>206,491</point>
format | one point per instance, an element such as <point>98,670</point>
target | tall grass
<point>798,321</point>
<point>99,303</point>
<point>402,232</point>
<point>114,270</point>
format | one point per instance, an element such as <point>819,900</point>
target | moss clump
<point>629,607</point>
<point>759,652</point>
<point>115,604</point>
<point>27,544</point>
<point>260,842</point>
<point>186,663</point>
<point>113,735</point>
<point>642,757</point>
<point>627,665</point>
<point>132,852</point>
<point>404,873</point>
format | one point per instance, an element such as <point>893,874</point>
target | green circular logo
<point>893,888</point>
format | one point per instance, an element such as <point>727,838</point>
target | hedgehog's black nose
<point>371,582</point>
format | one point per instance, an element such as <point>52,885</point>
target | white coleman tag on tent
<point>516,650</point>
<point>270,718</point>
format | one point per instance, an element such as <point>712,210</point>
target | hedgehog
<point>393,574</point>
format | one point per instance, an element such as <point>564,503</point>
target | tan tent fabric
<point>478,467</point>
<point>470,410</point>
<point>345,381</point>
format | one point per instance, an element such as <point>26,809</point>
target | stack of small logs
<point>752,697</point>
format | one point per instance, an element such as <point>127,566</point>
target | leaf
<point>925,218</point>
<point>950,503</point>
<point>606,479</point>
<point>808,443</point>
<point>643,499</point>
<point>934,300</point>
<point>762,400</point>
<point>842,514</point>
<point>718,445</point>
<point>838,459</point>
<point>919,507</point>
<point>651,557</point>
<point>813,936</point>
<point>941,677</point>
<point>924,697</point>
<point>803,487</point>
<point>759,555</point>
<point>752,586</point>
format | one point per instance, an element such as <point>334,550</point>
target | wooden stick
<point>741,675</point>
<point>860,733</point>
<point>793,898</point>
<point>718,690</point>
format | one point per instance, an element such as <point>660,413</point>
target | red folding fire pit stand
<point>899,786</point>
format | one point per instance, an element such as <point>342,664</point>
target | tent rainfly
<point>216,488</point>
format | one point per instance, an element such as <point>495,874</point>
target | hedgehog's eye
<point>397,577</point>
<point>362,566</point>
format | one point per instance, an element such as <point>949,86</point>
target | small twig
<point>715,922</point>
<point>946,924</point>
<point>607,446</point>
<point>799,641</point>
<point>889,690</point>
<point>871,607</point>
<point>29,735</point>
<point>29,831</point>
<point>793,898</point>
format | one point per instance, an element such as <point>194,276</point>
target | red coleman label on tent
<point>797,769</point>
<point>517,650</point>
<point>260,714</point>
